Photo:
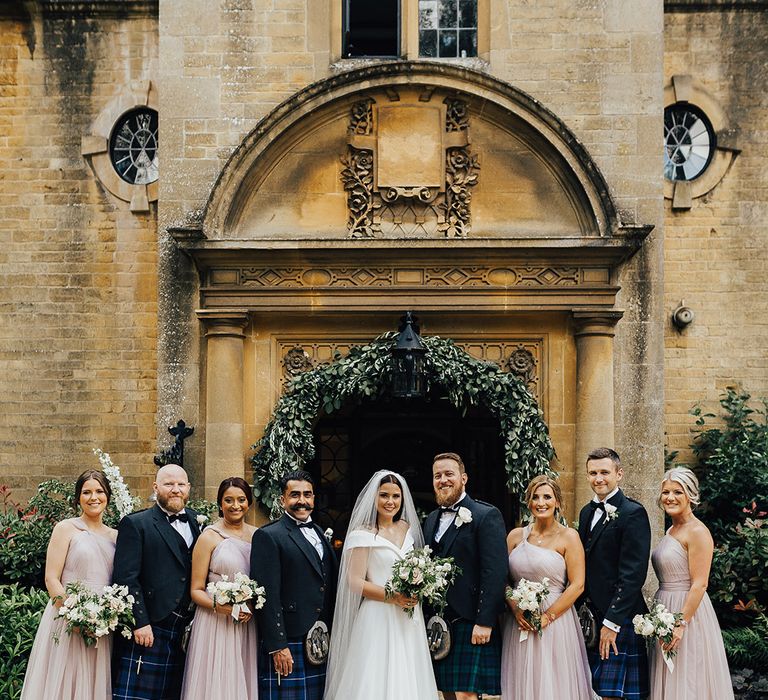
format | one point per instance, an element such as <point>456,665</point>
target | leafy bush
<point>20,612</point>
<point>733,472</point>
<point>749,684</point>
<point>747,647</point>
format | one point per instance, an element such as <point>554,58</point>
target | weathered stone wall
<point>78,298</point>
<point>597,65</point>
<point>715,253</point>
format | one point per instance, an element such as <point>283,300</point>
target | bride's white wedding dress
<point>387,657</point>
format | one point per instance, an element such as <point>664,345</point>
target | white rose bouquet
<point>95,615</point>
<point>236,593</point>
<point>424,577</point>
<point>659,624</point>
<point>528,595</point>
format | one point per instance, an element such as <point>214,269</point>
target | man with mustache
<point>297,567</point>
<point>473,533</point>
<point>153,558</point>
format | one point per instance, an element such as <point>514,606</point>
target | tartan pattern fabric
<point>161,671</point>
<point>624,675</point>
<point>306,682</point>
<point>470,667</point>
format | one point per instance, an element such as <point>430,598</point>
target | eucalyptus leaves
<point>287,443</point>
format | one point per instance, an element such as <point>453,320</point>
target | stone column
<point>594,389</point>
<point>225,334</point>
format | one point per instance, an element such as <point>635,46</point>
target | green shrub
<point>20,612</point>
<point>733,473</point>
<point>747,647</point>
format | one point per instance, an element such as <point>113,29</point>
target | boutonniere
<point>328,534</point>
<point>202,520</point>
<point>611,512</point>
<point>463,515</point>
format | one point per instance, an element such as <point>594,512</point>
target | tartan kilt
<point>470,667</point>
<point>624,675</point>
<point>306,682</point>
<point>160,674</point>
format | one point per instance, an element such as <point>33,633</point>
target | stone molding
<point>596,322</point>
<point>224,322</point>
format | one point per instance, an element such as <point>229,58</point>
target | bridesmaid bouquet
<point>236,593</point>
<point>529,595</point>
<point>424,577</point>
<point>659,624</point>
<point>94,615</point>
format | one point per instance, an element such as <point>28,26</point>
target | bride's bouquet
<point>529,595</point>
<point>236,593</point>
<point>659,624</point>
<point>95,615</point>
<point>424,577</point>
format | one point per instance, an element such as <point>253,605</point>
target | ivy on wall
<point>364,373</point>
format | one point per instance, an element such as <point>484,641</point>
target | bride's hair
<point>392,479</point>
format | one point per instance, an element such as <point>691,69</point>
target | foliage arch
<point>364,373</point>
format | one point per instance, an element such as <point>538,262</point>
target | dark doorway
<point>404,435</point>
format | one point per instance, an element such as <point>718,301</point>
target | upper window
<point>447,28</point>
<point>133,146</point>
<point>371,28</point>
<point>689,142</point>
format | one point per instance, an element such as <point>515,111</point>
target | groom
<point>472,532</point>
<point>297,567</point>
<point>616,536</point>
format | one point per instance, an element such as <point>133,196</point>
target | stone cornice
<point>113,9</point>
<point>714,5</point>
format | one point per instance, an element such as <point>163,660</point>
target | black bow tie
<point>449,509</point>
<point>597,505</point>
<point>311,525</point>
<point>181,517</point>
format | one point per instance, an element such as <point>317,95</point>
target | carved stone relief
<point>521,357</point>
<point>401,276</point>
<point>408,170</point>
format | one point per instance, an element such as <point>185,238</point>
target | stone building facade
<point>513,199</point>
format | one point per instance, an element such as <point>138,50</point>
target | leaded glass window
<point>133,146</point>
<point>689,142</point>
<point>447,28</point>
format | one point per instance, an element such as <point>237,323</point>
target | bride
<point>377,651</point>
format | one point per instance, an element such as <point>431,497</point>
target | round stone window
<point>133,146</point>
<point>689,142</point>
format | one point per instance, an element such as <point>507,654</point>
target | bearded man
<point>153,557</point>
<point>473,533</point>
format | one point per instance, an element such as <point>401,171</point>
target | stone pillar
<point>594,389</point>
<point>225,334</point>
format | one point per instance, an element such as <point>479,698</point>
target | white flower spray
<point>121,496</point>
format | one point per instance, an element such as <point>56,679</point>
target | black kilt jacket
<point>617,552</point>
<point>479,548</point>
<point>153,560</point>
<point>300,588</point>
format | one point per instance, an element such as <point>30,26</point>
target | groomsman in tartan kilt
<point>153,558</point>
<point>473,533</point>
<point>616,535</point>
<point>298,569</point>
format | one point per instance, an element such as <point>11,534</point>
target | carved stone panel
<point>408,170</point>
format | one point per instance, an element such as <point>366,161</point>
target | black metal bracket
<point>175,453</point>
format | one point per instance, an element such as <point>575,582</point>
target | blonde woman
<point>682,561</point>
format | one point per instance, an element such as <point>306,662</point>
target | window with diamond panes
<point>447,28</point>
<point>371,28</point>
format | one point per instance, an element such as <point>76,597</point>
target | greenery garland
<point>365,372</point>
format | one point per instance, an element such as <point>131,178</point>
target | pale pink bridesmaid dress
<point>554,665</point>
<point>221,658</point>
<point>701,669</point>
<point>67,669</point>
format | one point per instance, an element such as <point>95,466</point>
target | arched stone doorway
<point>534,258</point>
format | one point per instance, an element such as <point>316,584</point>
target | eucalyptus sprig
<point>364,373</point>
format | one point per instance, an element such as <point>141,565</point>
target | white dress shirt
<point>446,518</point>
<point>310,534</point>
<point>182,528</point>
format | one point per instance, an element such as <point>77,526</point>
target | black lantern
<point>408,379</point>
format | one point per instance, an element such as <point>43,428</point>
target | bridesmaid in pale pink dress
<point>554,665</point>
<point>221,659</point>
<point>682,561</point>
<point>62,667</point>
